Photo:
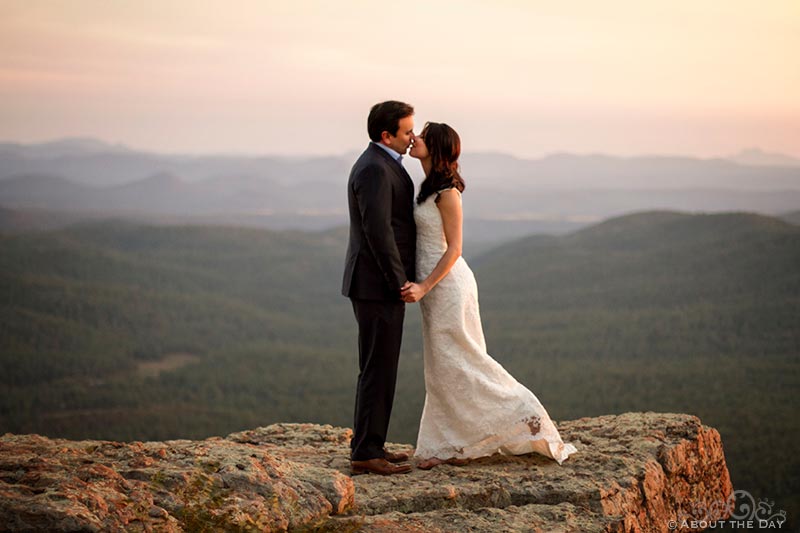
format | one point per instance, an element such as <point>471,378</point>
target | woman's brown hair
<point>444,146</point>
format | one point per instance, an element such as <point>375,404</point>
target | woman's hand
<point>413,292</point>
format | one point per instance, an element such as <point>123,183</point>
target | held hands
<point>412,292</point>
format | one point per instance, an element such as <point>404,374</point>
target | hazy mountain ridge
<point>93,162</point>
<point>68,146</point>
<point>678,228</point>
<point>756,156</point>
<point>506,197</point>
<point>166,194</point>
<point>714,255</point>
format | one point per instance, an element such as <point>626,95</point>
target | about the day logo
<point>739,511</point>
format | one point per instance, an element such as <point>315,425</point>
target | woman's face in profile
<point>418,149</point>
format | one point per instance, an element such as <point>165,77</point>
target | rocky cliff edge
<point>632,472</point>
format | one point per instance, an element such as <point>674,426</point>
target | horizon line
<point>124,147</point>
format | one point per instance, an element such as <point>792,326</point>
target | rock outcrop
<point>633,472</point>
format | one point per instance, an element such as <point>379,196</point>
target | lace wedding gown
<point>473,406</point>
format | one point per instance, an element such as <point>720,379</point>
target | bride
<point>473,406</point>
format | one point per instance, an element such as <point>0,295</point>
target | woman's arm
<point>450,208</point>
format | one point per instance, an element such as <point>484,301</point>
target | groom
<point>380,263</point>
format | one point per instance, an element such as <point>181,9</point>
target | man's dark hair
<point>386,116</point>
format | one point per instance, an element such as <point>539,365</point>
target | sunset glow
<point>523,77</point>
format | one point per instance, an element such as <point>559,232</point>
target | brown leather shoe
<point>392,457</point>
<point>378,465</point>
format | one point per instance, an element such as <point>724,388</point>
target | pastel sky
<point>623,77</point>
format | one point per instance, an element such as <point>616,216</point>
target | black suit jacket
<point>381,254</point>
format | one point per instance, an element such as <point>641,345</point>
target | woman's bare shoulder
<point>449,199</point>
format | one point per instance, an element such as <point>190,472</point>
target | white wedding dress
<point>473,406</point>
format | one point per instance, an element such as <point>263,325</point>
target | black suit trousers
<point>380,331</point>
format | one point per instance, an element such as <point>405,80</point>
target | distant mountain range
<point>506,197</point>
<point>94,162</point>
<point>755,156</point>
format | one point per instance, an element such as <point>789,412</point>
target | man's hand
<point>412,292</point>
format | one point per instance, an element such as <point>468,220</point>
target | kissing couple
<point>402,250</point>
